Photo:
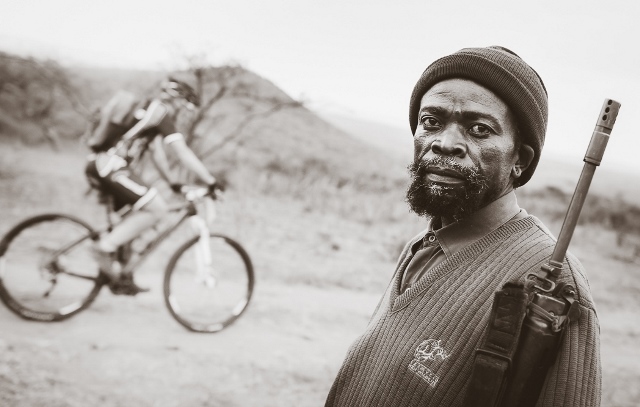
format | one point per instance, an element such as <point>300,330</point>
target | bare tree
<point>231,99</point>
<point>215,84</point>
<point>214,124</point>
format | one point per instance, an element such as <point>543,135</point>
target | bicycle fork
<point>204,262</point>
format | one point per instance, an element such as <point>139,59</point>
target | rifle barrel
<point>592,159</point>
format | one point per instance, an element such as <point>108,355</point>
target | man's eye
<point>480,130</point>
<point>429,123</point>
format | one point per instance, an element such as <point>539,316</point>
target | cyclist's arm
<point>159,159</point>
<point>188,158</point>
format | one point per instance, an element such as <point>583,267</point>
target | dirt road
<point>129,352</point>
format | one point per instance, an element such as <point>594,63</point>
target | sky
<point>361,58</point>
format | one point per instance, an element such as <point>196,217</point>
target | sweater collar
<point>455,236</point>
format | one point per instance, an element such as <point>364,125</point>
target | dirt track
<point>128,351</point>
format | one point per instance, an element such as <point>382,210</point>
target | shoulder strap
<point>153,116</point>
<point>495,355</point>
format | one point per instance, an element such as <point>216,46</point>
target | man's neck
<point>448,220</point>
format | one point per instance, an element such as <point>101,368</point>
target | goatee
<point>427,198</point>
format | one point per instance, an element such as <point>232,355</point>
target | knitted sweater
<point>418,349</point>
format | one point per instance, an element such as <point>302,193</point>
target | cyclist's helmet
<point>179,89</point>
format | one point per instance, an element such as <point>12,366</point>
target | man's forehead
<point>462,93</point>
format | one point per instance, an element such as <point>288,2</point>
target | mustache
<point>419,168</point>
<point>475,181</point>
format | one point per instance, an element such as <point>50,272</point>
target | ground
<point>129,352</point>
<point>318,280</point>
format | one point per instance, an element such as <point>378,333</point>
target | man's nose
<point>450,142</point>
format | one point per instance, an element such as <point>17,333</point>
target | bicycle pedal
<point>104,278</point>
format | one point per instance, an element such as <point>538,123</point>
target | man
<point>119,143</point>
<point>479,119</point>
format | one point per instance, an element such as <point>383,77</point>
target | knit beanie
<point>504,73</point>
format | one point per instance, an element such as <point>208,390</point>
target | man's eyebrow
<point>437,110</point>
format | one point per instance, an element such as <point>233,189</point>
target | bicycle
<point>47,272</point>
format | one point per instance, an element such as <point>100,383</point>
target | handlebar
<point>194,193</point>
<point>196,196</point>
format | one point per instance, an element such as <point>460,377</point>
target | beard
<point>427,198</point>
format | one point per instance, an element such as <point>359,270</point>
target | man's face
<point>465,153</point>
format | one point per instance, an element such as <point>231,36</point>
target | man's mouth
<point>444,176</point>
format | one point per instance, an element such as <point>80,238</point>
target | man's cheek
<point>420,147</point>
<point>491,161</point>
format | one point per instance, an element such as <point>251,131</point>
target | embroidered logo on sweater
<point>427,354</point>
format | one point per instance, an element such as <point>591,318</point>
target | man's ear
<point>525,156</point>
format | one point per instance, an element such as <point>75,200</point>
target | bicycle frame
<point>186,210</point>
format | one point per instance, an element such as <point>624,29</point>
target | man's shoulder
<point>530,231</point>
<point>573,272</point>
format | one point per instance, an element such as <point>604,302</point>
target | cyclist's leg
<point>152,209</point>
<point>148,207</point>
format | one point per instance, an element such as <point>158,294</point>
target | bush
<point>614,214</point>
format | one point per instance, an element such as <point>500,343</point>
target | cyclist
<point>152,126</point>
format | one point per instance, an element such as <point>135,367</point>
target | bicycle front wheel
<point>47,272</point>
<point>208,297</point>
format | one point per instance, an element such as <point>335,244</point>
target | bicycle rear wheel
<point>47,272</point>
<point>211,299</point>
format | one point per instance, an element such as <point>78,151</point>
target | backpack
<point>112,121</point>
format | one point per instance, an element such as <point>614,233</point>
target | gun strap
<point>495,354</point>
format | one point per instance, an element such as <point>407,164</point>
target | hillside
<point>392,139</point>
<point>280,137</point>
<point>245,123</point>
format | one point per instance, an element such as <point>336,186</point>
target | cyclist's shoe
<point>126,286</point>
